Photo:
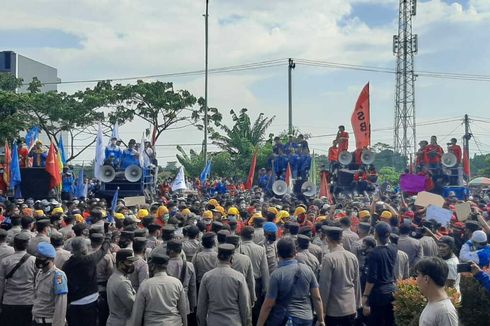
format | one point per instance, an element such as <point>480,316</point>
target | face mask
<point>41,263</point>
<point>166,217</point>
<point>232,218</point>
<point>207,222</point>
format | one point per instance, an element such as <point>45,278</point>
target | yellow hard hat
<point>233,211</point>
<point>299,210</point>
<point>142,213</point>
<point>208,215</point>
<point>119,216</point>
<point>57,210</point>
<point>281,215</point>
<point>220,209</point>
<point>272,210</point>
<point>386,214</point>
<point>186,212</point>
<point>213,202</point>
<point>162,210</point>
<point>38,213</point>
<point>364,214</point>
<point>79,218</point>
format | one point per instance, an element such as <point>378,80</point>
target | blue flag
<point>31,137</point>
<point>15,178</point>
<point>61,147</point>
<point>81,190</point>
<point>205,172</point>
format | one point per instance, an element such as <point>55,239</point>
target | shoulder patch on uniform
<point>60,283</point>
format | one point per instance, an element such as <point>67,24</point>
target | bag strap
<point>16,267</point>
<point>295,280</point>
<point>183,272</point>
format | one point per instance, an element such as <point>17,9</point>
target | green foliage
<point>475,300</point>
<point>388,174</point>
<point>8,82</point>
<point>386,157</point>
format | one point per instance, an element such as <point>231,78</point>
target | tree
<point>386,157</point>
<point>12,121</point>
<point>158,104</point>
<point>388,174</point>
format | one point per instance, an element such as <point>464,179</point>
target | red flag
<point>466,163</point>
<point>289,178</point>
<point>251,173</point>
<point>6,164</point>
<point>361,119</point>
<point>325,188</point>
<point>154,136</point>
<point>53,167</point>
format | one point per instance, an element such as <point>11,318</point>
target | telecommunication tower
<point>405,47</point>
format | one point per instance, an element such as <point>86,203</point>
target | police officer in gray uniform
<point>224,297</point>
<point>17,274</point>
<point>50,289</point>
<point>120,292</point>
<point>241,263</point>
<point>42,227</point>
<point>5,249</point>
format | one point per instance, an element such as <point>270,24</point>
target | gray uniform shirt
<point>259,237</point>
<point>5,250</point>
<point>191,247</point>
<point>32,247</point>
<point>224,298</point>
<point>174,268</point>
<point>47,303</point>
<point>306,257</point>
<point>412,248</point>
<point>120,298</point>
<point>429,246</point>
<point>243,264</point>
<point>160,301</point>
<point>339,283</point>
<point>257,255</point>
<point>62,256</point>
<point>348,238</point>
<point>19,289</point>
<point>204,261</point>
<point>271,255</point>
<point>140,273</point>
<point>402,267</point>
<point>14,230</point>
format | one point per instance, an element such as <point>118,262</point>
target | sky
<point>104,39</point>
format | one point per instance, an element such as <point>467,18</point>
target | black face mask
<point>271,237</point>
<point>41,263</point>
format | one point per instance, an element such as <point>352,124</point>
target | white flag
<point>179,182</point>
<point>141,151</point>
<point>115,131</point>
<point>99,154</point>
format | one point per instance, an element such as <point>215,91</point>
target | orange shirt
<point>333,154</point>
<point>456,150</point>
<point>343,143</point>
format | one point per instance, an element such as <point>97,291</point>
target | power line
<point>281,62</point>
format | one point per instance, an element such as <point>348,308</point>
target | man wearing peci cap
<point>50,289</point>
<point>161,299</point>
<point>62,255</point>
<point>270,233</point>
<point>207,258</point>
<point>120,292</point>
<point>42,228</point>
<point>224,297</point>
<point>17,284</point>
<point>140,270</point>
<point>339,281</point>
<point>303,254</point>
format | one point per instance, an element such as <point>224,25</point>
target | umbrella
<point>480,181</point>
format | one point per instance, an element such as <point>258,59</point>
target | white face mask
<point>207,222</point>
<point>232,218</point>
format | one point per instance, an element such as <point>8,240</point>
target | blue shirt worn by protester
<point>281,280</point>
<point>67,183</point>
<point>129,157</point>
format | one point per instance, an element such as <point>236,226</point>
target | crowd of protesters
<point>234,259</point>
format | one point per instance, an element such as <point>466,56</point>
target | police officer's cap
<point>174,245</point>
<point>140,233</point>
<point>364,226</point>
<point>43,222</point>
<point>223,232</point>
<point>226,248</point>
<point>153,227</point>
<point>56,239</point>
<point>79,227</point>
<point>97,237</point>
<point>139,240</point>
<point>303,238</point>
<point>233,239</point>
<point>217,225</point>
<point>125,255</point>
<point>331,230</point>
<point>169,228</point>
<point>22,236</point>
<point>159,258</point>
<point>46,250</point>
<point>127,234</point>
<point>3,233</point>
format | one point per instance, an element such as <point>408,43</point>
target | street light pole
<point>205,149</point>
<point>291,66</point>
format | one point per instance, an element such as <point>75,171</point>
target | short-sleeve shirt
<point>440,313</point>
<point>281,280</point>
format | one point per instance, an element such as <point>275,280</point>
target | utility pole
<point>291,66</point>
<point>405,47</point>
<point>466,145</point>
<point>205,142</point>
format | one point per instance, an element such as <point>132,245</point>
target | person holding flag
<point>15,177</point>
<point>38,154</point>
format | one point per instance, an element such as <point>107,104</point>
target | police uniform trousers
<point>16,315</point>
<point>260,300</point>
<point>83,315</point>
